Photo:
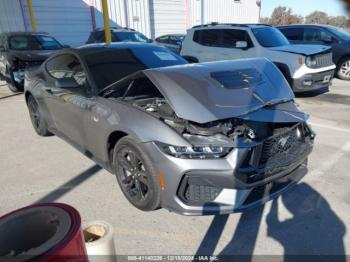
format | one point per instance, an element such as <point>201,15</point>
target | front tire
<point>136,175</point>
<point>344,69</point>
<point>38,122</point>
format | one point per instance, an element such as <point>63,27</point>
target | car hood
<point>302,49</point>
<point>218,90</point>
<point>33,55</point>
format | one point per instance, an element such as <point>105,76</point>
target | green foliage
<point>283,15</point>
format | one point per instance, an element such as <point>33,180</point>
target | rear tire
<point>136,175</point>
<point>12,84</point>
<point>38,122</point>
<point>344,69</point>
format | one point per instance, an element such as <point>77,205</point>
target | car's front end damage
<point>240,140</point>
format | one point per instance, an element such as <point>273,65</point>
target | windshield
<point>34,42</point>
<point>344,35</point>
<point>131,37</point>
<point>270,37</point>
<point>109,66</point>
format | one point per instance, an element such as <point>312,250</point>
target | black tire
<point>38,122</point>
<point>12,84</point>
<point>344,69</point>
<point>136,175</point>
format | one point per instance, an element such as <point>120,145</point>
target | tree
<point>317,17</point>
<point>283,15</point>
<point>340,21</point>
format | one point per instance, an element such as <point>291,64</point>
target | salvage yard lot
<point>312,218</point>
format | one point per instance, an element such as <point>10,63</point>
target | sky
<point>305,7</point>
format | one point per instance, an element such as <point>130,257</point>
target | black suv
<point>21,49</point>
<point>119,34</point>
<point>328,35</point>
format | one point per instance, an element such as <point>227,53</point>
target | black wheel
<point>135,175</point>
<point>344,69</point>
<point>39,124</point>
<point>12,84</point>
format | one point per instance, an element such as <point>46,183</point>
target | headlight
<point>195,152</point>
<point>310,61</point>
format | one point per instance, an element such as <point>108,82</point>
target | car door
<point>2,55</point>
<point>68,97</point>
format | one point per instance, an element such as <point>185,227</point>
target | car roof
<point>115,29</point>
<point>84,49</point>
<point>24,33</point>
<point>225,25</point>
<point>306,25</point>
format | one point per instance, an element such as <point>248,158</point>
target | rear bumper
<point>314,81</point>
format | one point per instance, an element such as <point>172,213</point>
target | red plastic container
<point>43,232</point>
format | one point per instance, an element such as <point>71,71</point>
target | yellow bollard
<point>31,14</point>
<point>108,36</point>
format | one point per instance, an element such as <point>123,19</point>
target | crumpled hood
<point>302,49</point>
<point>33,55</point>
<point>218,90</point>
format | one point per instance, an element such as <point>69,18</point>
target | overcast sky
<point>305,7</point>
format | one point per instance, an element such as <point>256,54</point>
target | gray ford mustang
<point>209,138</point>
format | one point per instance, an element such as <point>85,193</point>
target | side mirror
<point>66,83</point>
<point>242,44</point>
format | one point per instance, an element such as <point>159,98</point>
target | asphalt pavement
<point>312,218</point>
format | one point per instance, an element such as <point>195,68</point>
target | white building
<point>71,21</point>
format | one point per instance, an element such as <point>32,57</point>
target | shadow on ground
<point>314,228</point>
<point>69,185</point>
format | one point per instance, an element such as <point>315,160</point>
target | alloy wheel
<point>132,174</point>
<point>345,69</point>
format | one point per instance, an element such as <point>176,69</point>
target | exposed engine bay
<point>230,128</point>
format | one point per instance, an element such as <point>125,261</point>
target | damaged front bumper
<point>244,178</point>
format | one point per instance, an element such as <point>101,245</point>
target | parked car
<point>21,49</point>
<point>328,35</point>
<point>306,67</point>
<point>173,42</point>
<point>210,138</point>
<point>118,34</point>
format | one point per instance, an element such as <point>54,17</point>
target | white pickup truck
<point>306,67</point>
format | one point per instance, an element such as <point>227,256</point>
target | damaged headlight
<point>195,152</point>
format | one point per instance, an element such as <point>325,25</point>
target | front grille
<point>285,149</point>
<point>324,60</point>
<point>283,140</point>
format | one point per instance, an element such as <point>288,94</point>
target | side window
<point>293,34</point>
<point>173,40</point>
<point>231,36</point>
<point>317,35</point>
<point>207,37</point>
<point>66,66</point>
<point>1,41</point>
<point>99,37</point>
<point>163,39</point>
